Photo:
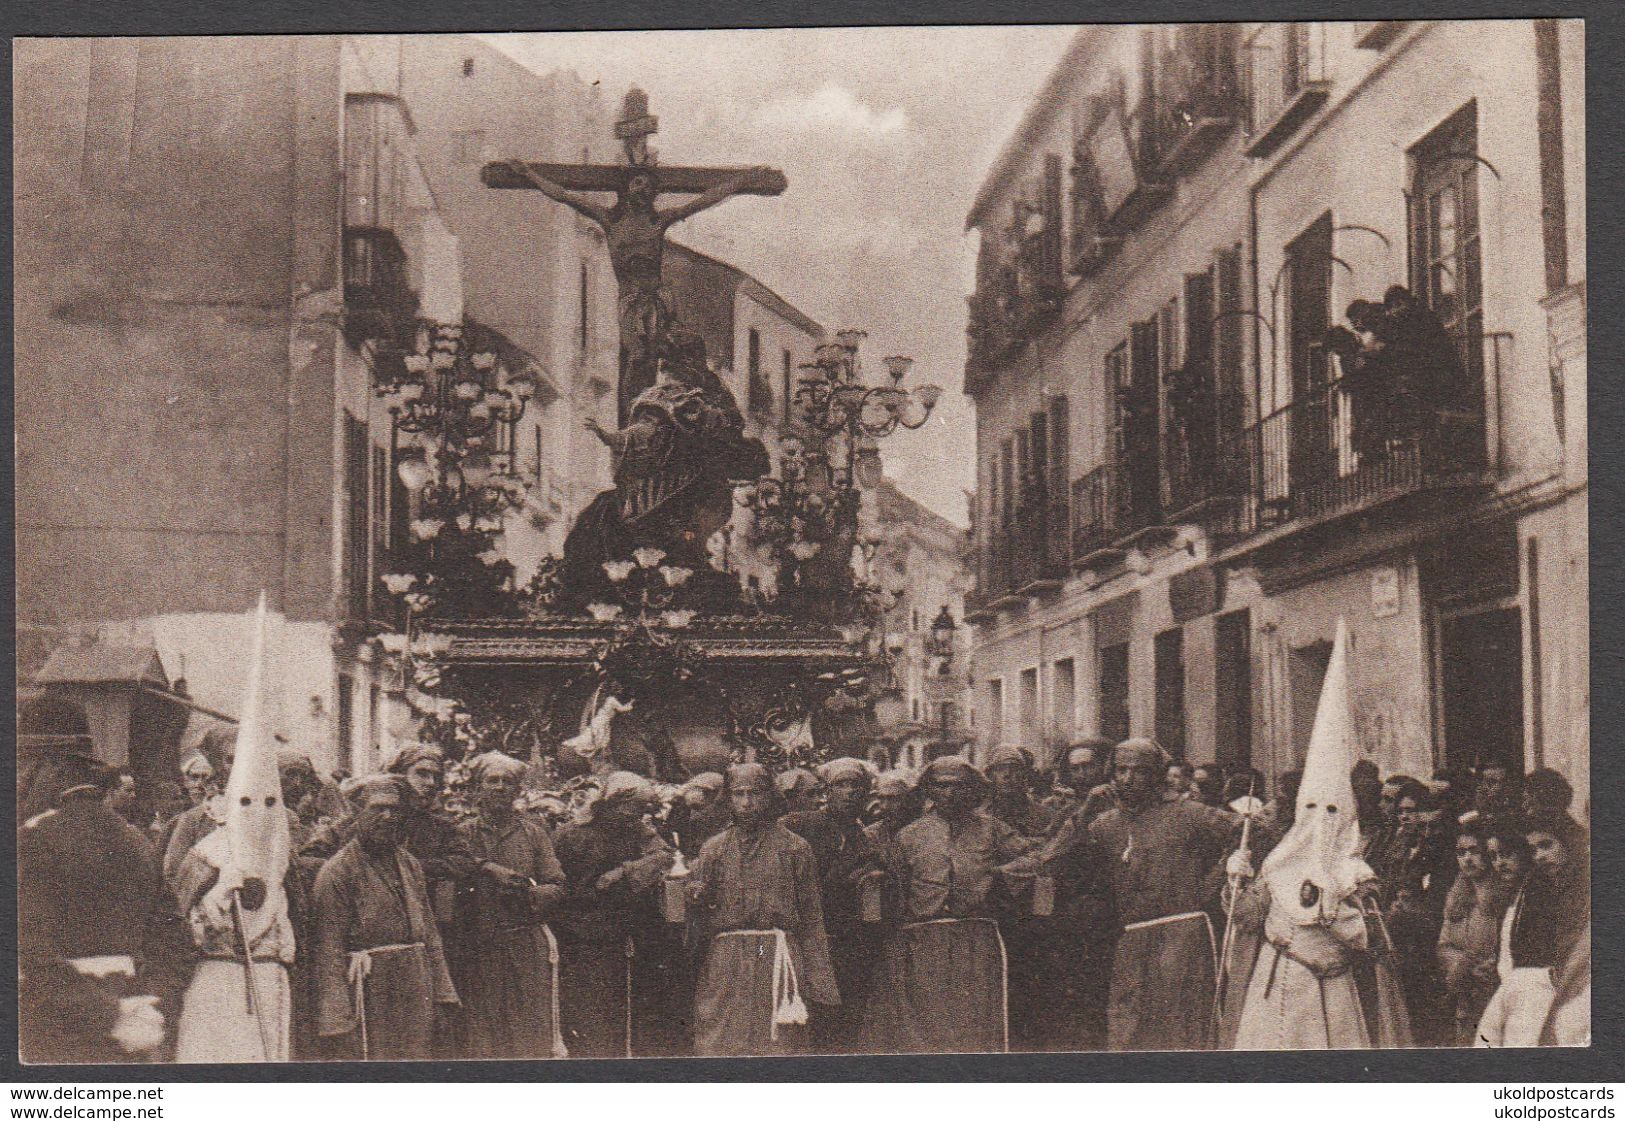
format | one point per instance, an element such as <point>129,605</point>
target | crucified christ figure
<point>635,230</point>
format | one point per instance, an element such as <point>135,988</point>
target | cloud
<point>831,108</point>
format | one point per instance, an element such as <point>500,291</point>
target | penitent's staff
<point>251,988</point>
<point>1233,888</point>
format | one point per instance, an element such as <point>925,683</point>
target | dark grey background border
<point>1605,119</point>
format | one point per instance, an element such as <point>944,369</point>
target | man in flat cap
<point>940,982</point>
<point>613,865</point>
<point>506,960</point>
<point>759,910</point>
<point>845,856</point>
<point>381,971</point>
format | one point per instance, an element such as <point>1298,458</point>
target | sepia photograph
<point>849,541</point>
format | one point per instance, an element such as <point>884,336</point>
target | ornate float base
<point>724,688</point>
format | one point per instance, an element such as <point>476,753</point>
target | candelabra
<point>453,421</point>
<point>847,414</point>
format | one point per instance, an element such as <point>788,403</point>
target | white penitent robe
<point>1303,993</point>
<point>217,1024</point>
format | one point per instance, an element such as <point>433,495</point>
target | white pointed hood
<point>256,820</point>
<point>1317,864</point>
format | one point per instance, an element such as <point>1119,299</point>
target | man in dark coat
<point>101,957</point>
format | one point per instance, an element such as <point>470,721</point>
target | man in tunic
<point>613,863</point>
<point>845,856</point>
<point>1167,859</point>
<point>382,973</point>
<point>507,961</point>
<point>760,914</point>
<point>940,985</point>
<point>1034,941</point>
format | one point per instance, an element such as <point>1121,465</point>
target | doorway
<point>1481,686</point>
<point>1306,673</point>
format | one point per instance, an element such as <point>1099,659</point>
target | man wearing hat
<point>940,982</point>
<point>845,856</point>
<point>100,955</point>
<point>759,910</point>
<point>613,863</point>
<point>506,960</point>
<point>381,970</point>
<point>1166,856</point>
<point>800,790</point>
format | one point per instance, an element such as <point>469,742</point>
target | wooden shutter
<point>1228,341</point>
<point>1051,203</point>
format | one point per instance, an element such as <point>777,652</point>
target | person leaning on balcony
<point>1367,377</point>
<point>1430,377</point>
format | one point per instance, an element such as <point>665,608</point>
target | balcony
<point>1198,97</point>
<point>1356,445</point>
<point>1110,505</point>
<point>1286,82</point>
<point>378,299</point>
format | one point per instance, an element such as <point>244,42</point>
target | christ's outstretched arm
<point>724,190</point>
<point>558,194</point>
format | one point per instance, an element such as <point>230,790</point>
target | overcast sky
<point>884,134</point>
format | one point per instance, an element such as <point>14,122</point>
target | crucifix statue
<point>633,226</point>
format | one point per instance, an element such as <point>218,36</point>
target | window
<point>357,577</point>
<point>468,67</point>
<point>1229,344</point>
<point>1029,707</point>
<point>1309,312</point>
<point>1446,257</point>
<point>1233,690</point>
<point>374,703</point>
<point>1170,691</point>
<point>759,391</point>
<point>1114,684</point>
<point>995,693</point>
<point>1063,700</point>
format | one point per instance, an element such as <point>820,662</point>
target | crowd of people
<point>1124,902</point>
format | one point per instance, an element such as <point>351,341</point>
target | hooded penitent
<point>254,843</point>
<point>1317,864</point>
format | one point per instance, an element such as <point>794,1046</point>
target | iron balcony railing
<point>1112,503</point>
<point>378,296</point>
<point>1363,440</point>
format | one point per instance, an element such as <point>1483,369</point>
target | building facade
<point>1181,488</point>
<point>918,557</point>
<point>213,236</point>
